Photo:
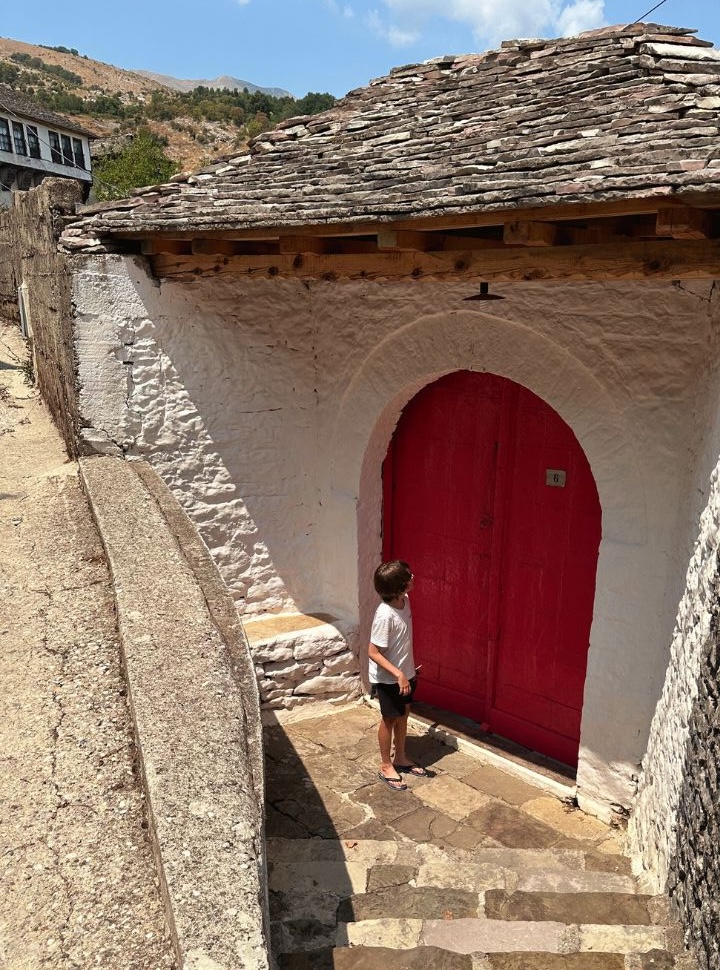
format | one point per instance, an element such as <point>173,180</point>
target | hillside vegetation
<point>193,127</point>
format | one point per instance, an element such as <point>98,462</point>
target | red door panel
<point>504,562</point>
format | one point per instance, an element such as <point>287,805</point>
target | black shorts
<point>392,702</point>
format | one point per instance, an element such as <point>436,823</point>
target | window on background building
<point>19,138</point>
<point>67,150</point>
<point>5,143</point>
<point>33,142</point>
<point>78,153</point>
<point>55,153</point>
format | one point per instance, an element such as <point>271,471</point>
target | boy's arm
<point>375,654</point>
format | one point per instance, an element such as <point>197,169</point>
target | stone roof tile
<point>15,103</point>
<point>615,113</point>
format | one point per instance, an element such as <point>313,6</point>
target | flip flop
<point>416,770</point>
<point>395,784</point>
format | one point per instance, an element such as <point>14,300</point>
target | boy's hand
<point>403,684</point>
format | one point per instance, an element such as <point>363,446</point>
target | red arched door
<point>490,498</point>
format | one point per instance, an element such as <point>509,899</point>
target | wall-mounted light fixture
<point>484,294</point>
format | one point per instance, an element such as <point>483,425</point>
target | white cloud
<point>490,21</point>
<point>402,38</point>
<point>344,10</point>
<point>581,15</point>
<point>242,3</point>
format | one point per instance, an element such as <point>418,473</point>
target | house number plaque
<point>555,477</point>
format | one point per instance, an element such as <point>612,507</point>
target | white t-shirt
<point>392,634</point>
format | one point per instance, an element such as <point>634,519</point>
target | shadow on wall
<point>226,413</point>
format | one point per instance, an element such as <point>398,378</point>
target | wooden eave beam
<point>684,222</point>
<point>153,246</point>
<point>398,239</point>
<point>633,260</point>
<point>524,232</point>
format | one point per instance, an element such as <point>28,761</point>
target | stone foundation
<point>301,658</point>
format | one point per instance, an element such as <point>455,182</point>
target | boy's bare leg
<point>386,729</point>
<point>399,736</point>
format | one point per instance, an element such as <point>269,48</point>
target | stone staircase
<point>372,904</point>
<point>467,870</point>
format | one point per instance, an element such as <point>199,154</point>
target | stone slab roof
<point>619,113</point>
<point>15,103</point>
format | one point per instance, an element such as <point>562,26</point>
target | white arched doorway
<point>489,496</point>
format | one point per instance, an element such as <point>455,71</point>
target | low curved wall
<point>193,697</point>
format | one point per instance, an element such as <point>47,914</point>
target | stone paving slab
<point>372,852</point>
<point>622,939</point>
<point>655,960</point>
<point>411,902</point>
<point>575,882</point>
<point>567,819</point>
<point>513,828</point>
<point>425,825</point>
<point>477,877</point>
<point>577,907</point>
<point>500,785</point>
<point>311,904</point>
<point>418,958</point>
<point>383,877</point>
<point>303,934</point>
<point>396,934</point>
<point>378,958</point>
<point>555,961</point>
<point>486,935</point>
<point>344,878</point>
<point>451,796</point>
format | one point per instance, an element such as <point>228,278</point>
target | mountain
<point>195,126</point>
<point>225,82</point>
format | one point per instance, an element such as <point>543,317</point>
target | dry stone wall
<point>29,255</point>
<point>675,827</point>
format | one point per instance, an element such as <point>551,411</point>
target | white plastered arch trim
<point>424,350</point>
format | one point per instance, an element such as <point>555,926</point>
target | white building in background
<point>35,142</point>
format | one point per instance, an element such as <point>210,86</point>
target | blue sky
<point>315,45</point>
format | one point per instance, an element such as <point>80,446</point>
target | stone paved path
<point>470,869</point>
<point>77,876</point>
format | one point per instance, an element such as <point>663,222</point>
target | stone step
<point>467,934</point>
<point>433,958</point>
<point>558,870</point>
<point>434,902</point>
<point>350,900</point>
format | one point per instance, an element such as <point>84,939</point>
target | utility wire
<point>647,12</point>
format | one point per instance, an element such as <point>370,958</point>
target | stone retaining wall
<point>675,825</point>
<point>29,255</point>
<point>300,659</point>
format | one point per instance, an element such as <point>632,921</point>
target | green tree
<point>142,162</point>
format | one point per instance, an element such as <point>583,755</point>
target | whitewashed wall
<point>268,405</point>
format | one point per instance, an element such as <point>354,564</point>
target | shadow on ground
<point>344,848</point>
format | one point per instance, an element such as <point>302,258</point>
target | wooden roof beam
<point>684,222</point>
<point>527,233</point>
<point>152,246</point>
<point>407,239</point>
<point>618,260</point>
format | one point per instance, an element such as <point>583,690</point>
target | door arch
<point>489,496</point>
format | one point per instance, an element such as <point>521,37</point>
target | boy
<point>392,669</point>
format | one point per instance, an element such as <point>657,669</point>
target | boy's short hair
<point>391,579</point>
